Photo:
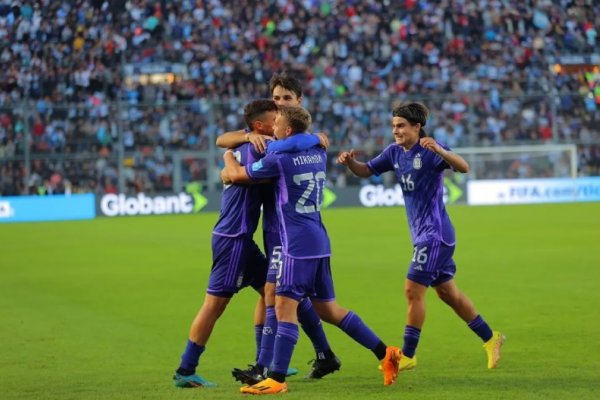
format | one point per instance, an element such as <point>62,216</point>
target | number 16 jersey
<point>420,173</point>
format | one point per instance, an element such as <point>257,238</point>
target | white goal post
<point>530,161</point>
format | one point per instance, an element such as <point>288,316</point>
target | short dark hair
<point>298,118</point>
<point>286,81</point>
<point>415,113</point>
<point>256,109</point>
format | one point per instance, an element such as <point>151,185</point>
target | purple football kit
<point>300,179</point>
<point>420,173</point>
<point>237,260</point>
<point>271,238</point>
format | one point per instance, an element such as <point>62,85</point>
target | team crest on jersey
<point>417,163</point>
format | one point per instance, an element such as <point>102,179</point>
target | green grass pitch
<point>101,309</point>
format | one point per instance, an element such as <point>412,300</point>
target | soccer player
<point>419,163</point>
<point>237,260</point>
<point>305,269</point>
<point>285,90</point>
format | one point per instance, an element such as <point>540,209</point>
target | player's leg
<point>200,331</point>
<point>295,279</point>
<point>259,322</point>
<point>285,342</point>
<point>464,308</point>
<point>326,361</point>
<point>349,322</point>
<point>415,318</point>
<point>273,246</point>
<point>421,272</point>
<point>229,255</point>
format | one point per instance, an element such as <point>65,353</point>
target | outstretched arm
<point>358,168</point>
<point>233,172</point>
<point>295,143</point>
<point>233,139</point>
<point>454,160</point>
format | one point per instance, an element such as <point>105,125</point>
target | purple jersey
<point>420,173</point>
<point>299,195</point>
<point>240,204</point>
<point>270,220</point>
<point>291,144</point>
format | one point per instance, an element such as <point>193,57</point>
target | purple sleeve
<point>383,162</point>
<point>265,168</point>
<point>439,162</point>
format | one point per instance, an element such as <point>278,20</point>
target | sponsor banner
<point>193,200</point>
<point>529,191</point>
<point>189,202</point>
<point>381,196</point>
<point>47,208</point>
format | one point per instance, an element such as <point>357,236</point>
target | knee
<point>331,312</point>
<point>285,312</point>
<point>412,295</point>
<point>215,305</point>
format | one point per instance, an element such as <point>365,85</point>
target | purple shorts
<point>432,264</point>
<point>272,243</point>
<point>305,277</point>
<point>237,263</point>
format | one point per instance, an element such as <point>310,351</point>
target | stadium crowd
<point>483,67</point>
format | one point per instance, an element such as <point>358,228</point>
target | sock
<point>481,328</point>
<point>285,341</point>
<point>311,324</point>
<point>411,340</point>
<point>322,355</point>
<point>265,357</point>
<point>357,330</point>
<point>189,358</point>
<point>258,332</point>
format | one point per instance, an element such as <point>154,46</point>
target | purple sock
<point>411,340</point>
<point>311,324</point>
<point>285,341</point>
<point>190,357</point>
<point>481,328</point>
<point>265,357</point>
<point>258,331</point>
<point>357,330</point>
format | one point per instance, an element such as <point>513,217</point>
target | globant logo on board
<point>113,205</point>
<point>378,195</point>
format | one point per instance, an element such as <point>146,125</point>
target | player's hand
<point>345,157</point>
<point>225,178</point>
<point>430,144</point>
<point>324,140</point>
<point>258,141</point>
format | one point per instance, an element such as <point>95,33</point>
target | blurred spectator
<point>481,67</point>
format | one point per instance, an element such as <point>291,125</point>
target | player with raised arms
<point>419,163</point>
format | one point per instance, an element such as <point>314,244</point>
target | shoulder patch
<point>257,165</point>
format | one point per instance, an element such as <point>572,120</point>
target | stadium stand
<point>484,68</point>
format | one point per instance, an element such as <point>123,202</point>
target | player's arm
<point>296,143</point>
<point>233,139</point>
<point>233,172</point>
<point>454,160</point>
<point>358,168</point>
